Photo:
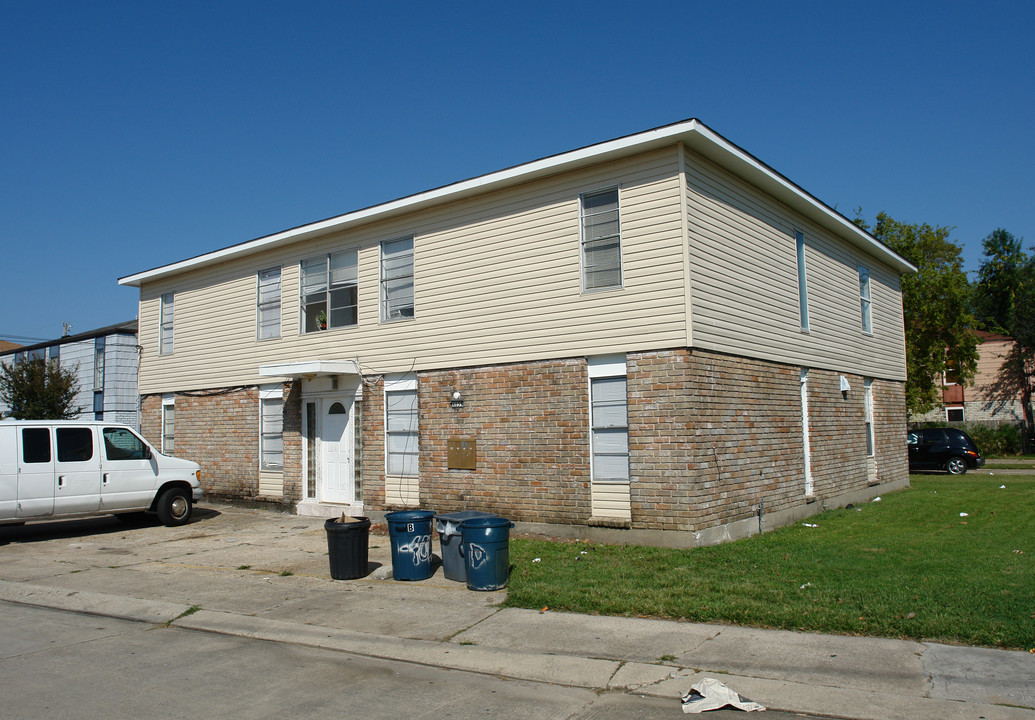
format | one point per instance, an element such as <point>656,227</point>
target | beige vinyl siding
<point>745,285</point>
<point>271,484</point>
<point>497,279</point>
<point>611,499</point>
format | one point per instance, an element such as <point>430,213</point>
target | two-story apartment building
<point>104,362</point>
<point>659,334</point>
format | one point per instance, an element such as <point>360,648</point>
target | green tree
<point>998,280</point>
<point>936,305</point>
<point>1021,361</point>
<point>39,390</point>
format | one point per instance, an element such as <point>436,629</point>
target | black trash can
<point>347,548</point>
<point>449,536</point>
<point>410,533</point>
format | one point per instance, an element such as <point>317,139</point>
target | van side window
<point>74,444</point>
<point>121,444</point>
<point>35,445</point>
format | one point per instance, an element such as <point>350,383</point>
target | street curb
<point>557,669</point>
<point>155,612</point>
<point>655,680</point>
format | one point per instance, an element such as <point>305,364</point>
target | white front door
<point>337,440</point>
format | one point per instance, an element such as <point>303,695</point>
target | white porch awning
<point>310,368</point>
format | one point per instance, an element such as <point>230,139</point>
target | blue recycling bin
<point>410,534</point>
<point>450,537</point>
<point>486,552</point>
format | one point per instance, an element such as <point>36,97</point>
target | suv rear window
<point>957,438</point>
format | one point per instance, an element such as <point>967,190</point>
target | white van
<point>68,468</point>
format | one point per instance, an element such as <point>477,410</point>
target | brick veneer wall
<point>837,433</point>
<point>530,422</point>
<point>219,430</point>
<point>711,437</point>
<point>714,435</point>
<point>889,430</point>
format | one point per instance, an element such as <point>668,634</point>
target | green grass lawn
<point>909,566</point>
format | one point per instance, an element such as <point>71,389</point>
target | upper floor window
<point>864,299</point>
<point>601,241</point>
<point>397,279</point>
<point>98,363</point>
<point>165,338</point>
<point>329,291</point>
<point>803,293</point>
<point>268,304</point>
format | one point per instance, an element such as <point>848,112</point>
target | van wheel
<point>174,507</point>
<point>956,466</point>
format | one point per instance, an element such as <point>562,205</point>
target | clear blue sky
<point>140,133</point>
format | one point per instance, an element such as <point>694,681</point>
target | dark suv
<point>944,448</point>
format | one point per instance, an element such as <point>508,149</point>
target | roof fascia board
<point>692,132</point>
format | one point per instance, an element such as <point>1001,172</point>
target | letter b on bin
<point>486,552</point>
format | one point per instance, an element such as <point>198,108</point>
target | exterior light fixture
<point>456,402</point>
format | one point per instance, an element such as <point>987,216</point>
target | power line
<point>22,338</point>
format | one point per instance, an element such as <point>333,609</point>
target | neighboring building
<point>996,394</point>
<point>631,335</point>
<point>105,364</point>
<point>6,345</point>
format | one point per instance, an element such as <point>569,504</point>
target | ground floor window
<point>401,441</point>
<point>168,424</point>
<point>271,432</point>
<point>954,414</point>
<point>609,419</point>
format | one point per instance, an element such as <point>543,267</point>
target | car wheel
<point>956,466</point>
<point>174,507</point>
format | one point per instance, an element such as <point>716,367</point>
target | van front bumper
<point>196,494</point>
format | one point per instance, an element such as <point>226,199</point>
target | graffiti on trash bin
<point>478,556</point>
<point>419,548</point>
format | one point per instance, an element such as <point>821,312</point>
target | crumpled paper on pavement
<point>710,694</point>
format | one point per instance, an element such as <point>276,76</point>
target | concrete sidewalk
<point>261,574</point>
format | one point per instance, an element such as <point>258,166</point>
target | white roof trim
<point>692,133</point>
<point>310,368</point>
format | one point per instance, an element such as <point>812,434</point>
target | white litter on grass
<point>809,525</point>
<point>877,499</point>
<point>808,584</point>
<point>963,515</point>
<point>1002,487</point>
<point>710,694</point>
<point>538,560</point>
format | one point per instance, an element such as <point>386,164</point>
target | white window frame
<point>399,385</point>
<point>396,268</point>
<point>602,370</point>
<point>165,320</point>
<point>586,242</point>
<point>267,304</point>
<point>807,447</point>
<point>340,275</point>
<point>271,426</point>
<point>168,428</point>
<point>803,285</point>
<point>962,410</point>
<point>865,300</point>
<point>868,400</point>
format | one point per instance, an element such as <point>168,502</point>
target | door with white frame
<point>337,477</point>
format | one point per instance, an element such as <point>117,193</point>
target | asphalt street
<point>56,663</point>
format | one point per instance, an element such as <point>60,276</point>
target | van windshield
<point>121,444</point>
